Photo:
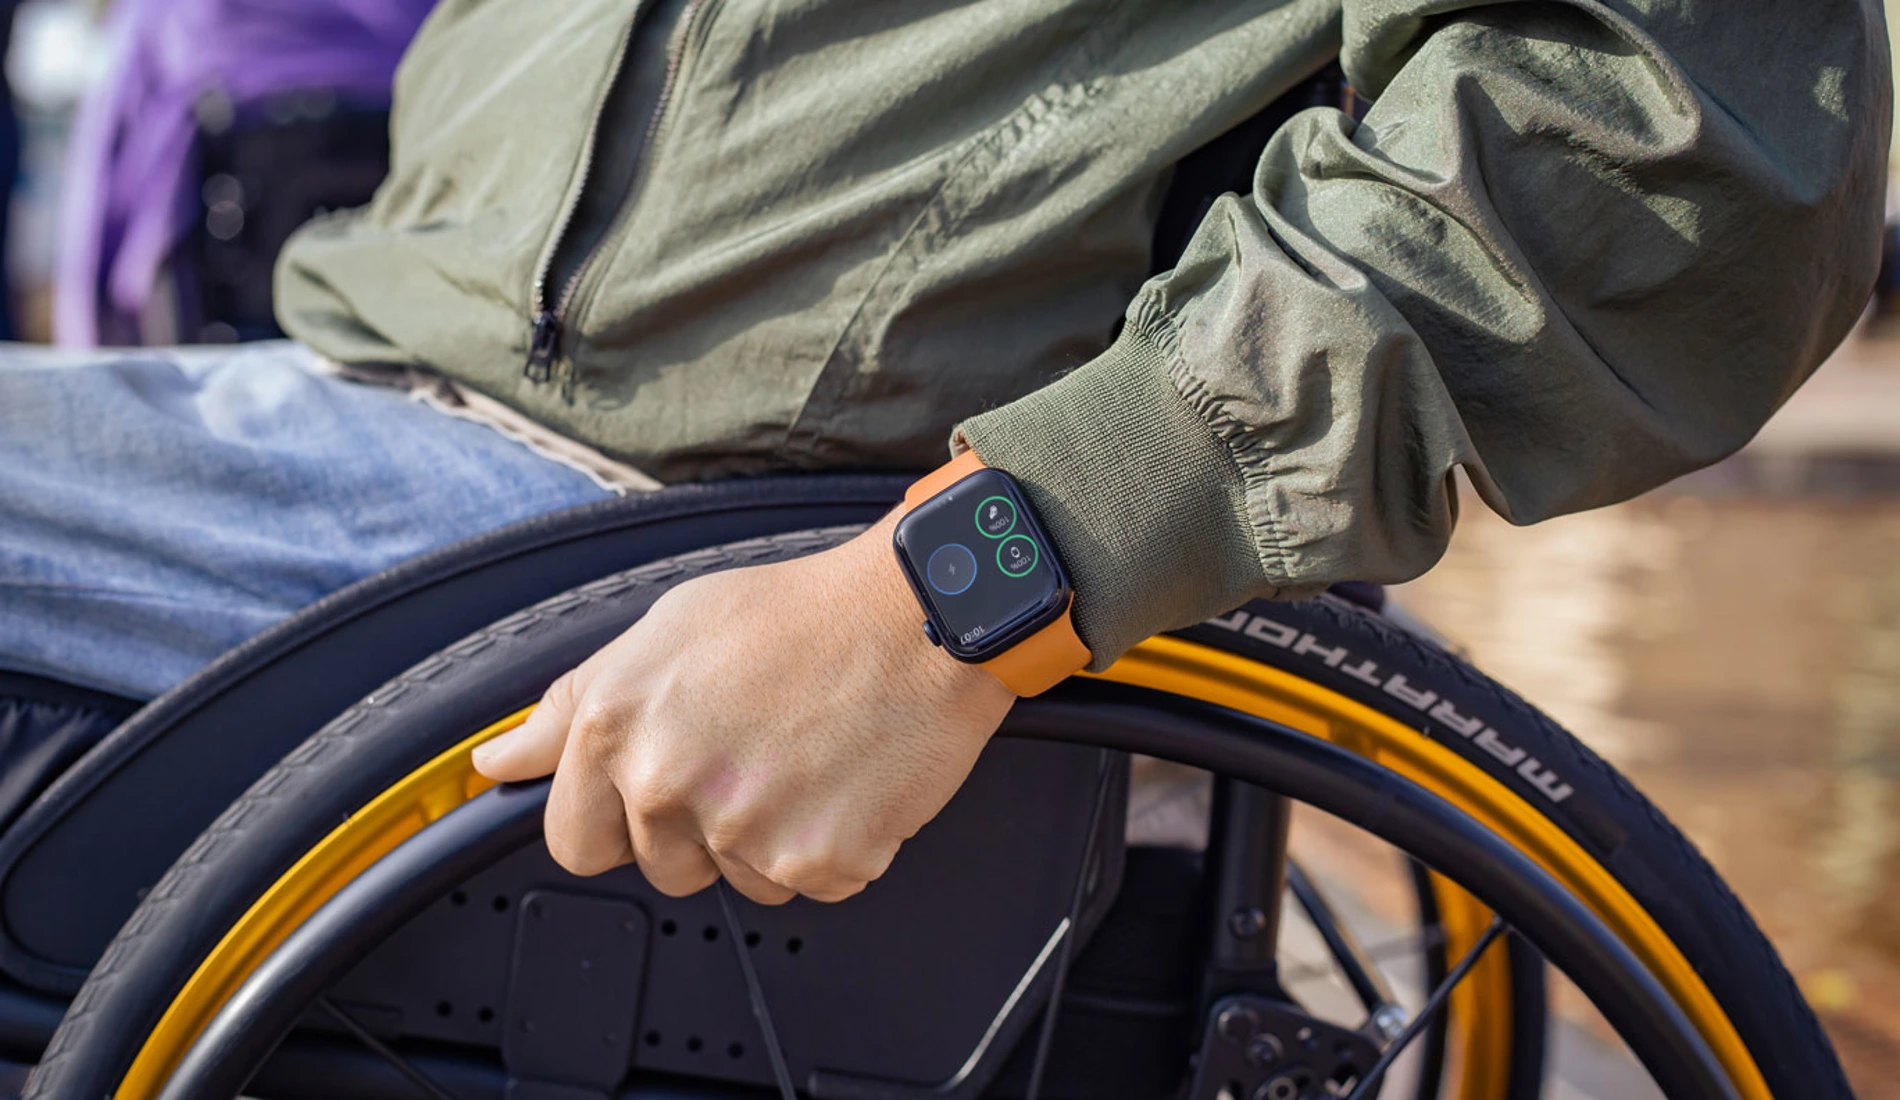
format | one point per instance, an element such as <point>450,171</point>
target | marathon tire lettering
<point>1440,709</point>
<point>1332,655</point>
<point>1399,687</point>
<point>1449,715</point>
<point>1258,630</point>
<point>1364,670</point>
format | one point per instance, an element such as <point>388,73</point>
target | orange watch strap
<point>1045,658</point>
<point>1042,660</point>
<point>941,478</point>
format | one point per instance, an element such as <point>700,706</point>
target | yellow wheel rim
<point>1201,672</point>
<point>394,816</point>
<point>1163,664</point>
<point>1478,1034</point>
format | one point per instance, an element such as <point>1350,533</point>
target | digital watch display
<point>981,566</point>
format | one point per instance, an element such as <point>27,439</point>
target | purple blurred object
<point>131,179</point>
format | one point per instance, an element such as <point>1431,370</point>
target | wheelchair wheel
<point>380,816</point>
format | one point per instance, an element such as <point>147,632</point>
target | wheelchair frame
<point>70,872</point>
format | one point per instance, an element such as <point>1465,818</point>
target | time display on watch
<point>980,565</point>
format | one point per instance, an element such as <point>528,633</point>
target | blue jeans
<point>159,506</point>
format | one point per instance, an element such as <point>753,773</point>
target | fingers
<point>586,819</point>
<point>533,749</point>
<point>643,774</point>
<point>830,874</point>
<point>593,827</point>
<point>671,857</point>
<point>752,884</point>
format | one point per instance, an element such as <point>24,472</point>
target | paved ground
<point>1732,643</point>
<point>1851,406</point>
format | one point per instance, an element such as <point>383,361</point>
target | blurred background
<point>1731,642</point>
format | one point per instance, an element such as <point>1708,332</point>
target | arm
<point>1574,249</point>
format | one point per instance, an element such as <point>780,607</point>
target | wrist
<point>875,583</point>
<point>988,584</point>
<point>1144,501</point>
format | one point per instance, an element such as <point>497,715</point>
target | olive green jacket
<point>1577,247</point>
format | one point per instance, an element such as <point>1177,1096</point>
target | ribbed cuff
<point>1145,504</point>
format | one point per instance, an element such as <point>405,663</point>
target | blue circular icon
<point>951,569</point>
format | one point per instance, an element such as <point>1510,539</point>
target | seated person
<point>1576,248</point>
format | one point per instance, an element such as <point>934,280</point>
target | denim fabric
<point>159,506</point>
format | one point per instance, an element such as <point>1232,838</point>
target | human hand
<point>787,726</point>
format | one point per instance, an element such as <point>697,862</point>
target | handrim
<point>1164,664</point>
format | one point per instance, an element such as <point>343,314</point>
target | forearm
<point>1577,251</point>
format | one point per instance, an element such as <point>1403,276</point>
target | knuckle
<point>835,873</point>
<point>872,866</point>
<point>597,726</point>
<point>836,890</point>
<point>797,872</point>
<point>681,883</point>
<point>724,839</point>
<point>820,877</point>
<point>650,792</point>
<point>731,834</point>
<point>561,694</point>
<point>764,891</point>
<point>579,859</point>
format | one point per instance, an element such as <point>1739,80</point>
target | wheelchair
<point>284,879</point>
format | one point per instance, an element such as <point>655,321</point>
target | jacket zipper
<point>544,342</point>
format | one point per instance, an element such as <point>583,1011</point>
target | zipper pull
<point>541,347</point>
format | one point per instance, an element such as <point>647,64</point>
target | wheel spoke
<point>1344,947</point>
<point>383,1050</point>
<point>1433,1004</point>
<point>1382,952</point>
<point>1067,952</point>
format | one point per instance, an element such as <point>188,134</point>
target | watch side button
<point>930,631</point>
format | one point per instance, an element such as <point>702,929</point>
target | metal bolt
<point>1283,1087</point>
<point>1247,923</point>
<point>1264,1051</point>
<point>1237,1022</point>
<point>1389,1021</point>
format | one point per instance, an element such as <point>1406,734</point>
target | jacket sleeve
<point>1578,247</point>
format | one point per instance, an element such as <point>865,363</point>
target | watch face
<point>981,564</point>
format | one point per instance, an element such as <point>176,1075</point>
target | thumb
<point>532,749</point>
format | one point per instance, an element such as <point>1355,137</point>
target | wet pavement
<point>1736,651</point>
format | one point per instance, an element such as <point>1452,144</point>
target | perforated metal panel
<point>901,983</point>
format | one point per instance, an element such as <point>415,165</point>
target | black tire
<point>1328,642</point>
<point>506,666</point>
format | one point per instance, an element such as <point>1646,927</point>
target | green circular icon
<point>996,516</point>
<point>1016,555</point>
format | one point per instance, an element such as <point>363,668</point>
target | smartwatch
<point>992,589</point>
